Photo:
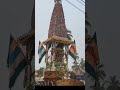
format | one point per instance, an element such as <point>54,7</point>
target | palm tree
<point>100,87</point>
<point>87,29</point>
<point>100,74</point>
<point>87,23</point>
<point>113,83</point>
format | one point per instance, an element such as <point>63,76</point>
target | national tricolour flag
<point>73,51</point>
<point>94,45</point>
<point>92,57</point>
<point>16,61</point>
<point>41,51</point>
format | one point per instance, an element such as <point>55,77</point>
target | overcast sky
<point>75,21</point>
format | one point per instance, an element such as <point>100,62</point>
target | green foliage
<point>40,72</point>
<point>113,83</point>
<point>82,63</point>
<point>97,88</point>
<point>100,72</point>
<point>100,76</point>
<point>72,75</point>
<point>48,64</point>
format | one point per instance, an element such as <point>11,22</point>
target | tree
<point>40,72</point>
<point>113,83</point>
<point>87,23</point>
<point>87,29</point>
<point>100,73</point>
<point>82,63</point>
<point>100,87</point>
<point>72,75</point>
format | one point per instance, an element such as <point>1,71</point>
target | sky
<point>75,21</point>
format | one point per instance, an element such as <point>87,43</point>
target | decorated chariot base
<point>69,82</point>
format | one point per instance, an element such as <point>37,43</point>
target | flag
<point>41,51</point>
<point>90,65</point>
<point>90,70</point>
<point>16,61</point>
<point>73,51</point>
<point>92,56</point>
<point>94,45</point>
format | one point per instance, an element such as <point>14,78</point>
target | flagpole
<point>27,67</point>
<point>30,73</point>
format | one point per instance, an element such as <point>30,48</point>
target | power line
<point>81,2</point>
<point>75,6</point>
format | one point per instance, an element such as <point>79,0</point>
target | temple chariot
<point>57,50</point>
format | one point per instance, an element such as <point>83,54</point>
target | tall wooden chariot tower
<point>56,45</point>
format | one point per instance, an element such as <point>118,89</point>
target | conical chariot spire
<point>57,1</point>
<point>57,24</point>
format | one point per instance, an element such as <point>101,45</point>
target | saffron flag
<point>41,51</point>
<point>94,46</point>
<point>16,61</point>
<point>92,56</point>
<point>73,51</point>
